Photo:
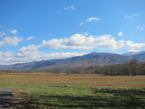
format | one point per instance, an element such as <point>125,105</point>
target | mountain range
<point>95,58</point>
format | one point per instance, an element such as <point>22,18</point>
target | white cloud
<point>69,7</point>
<point>26,52</point>
<point>2,34</point>
<point>140,27</point>
<point>120,33</point>
<point>89,20</point>
<point>29,48</point>
<point>29,38</point>
<point>13,31</point>
<point>82,42</point>
<point>76,41</point>
<point>8,41</point>
<point>5,56</point>
<point>133,51</point>
<point>132,45</point>
<point>54,44</point>
<point>92,18</point>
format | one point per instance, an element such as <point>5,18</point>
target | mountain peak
<point>94,52</point>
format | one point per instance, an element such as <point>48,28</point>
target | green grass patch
<point>78,97</point>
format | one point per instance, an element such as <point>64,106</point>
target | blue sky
<point>34,30</point>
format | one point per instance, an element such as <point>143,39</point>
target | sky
<point>34,30</point>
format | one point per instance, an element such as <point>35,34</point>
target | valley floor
<point>54,91</point>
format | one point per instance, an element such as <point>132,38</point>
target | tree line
<point>128,68</point>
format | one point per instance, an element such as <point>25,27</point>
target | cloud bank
<point>82,42</point>
<point>31,53</point>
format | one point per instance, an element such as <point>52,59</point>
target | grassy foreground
<point>76,91</point>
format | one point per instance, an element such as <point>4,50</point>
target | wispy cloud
<point>13,31</point>
<point>92,18</point>
<point>140,27</point>
<point>120,33</point>
<point>134,15</point>
<point>131,16</point>
<point>89,20</point>
<point>81,23</point>
<point>66,8</point>
<point>29,38</point>
<point>2,34</point>
<point>69,8</point>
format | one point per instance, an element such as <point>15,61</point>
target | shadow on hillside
<point>102,98</point>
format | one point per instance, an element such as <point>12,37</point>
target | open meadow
<point>54,91</point>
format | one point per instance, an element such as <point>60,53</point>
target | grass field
<point>81,91</point>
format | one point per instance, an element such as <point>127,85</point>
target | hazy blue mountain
<point>20,65</point>
<point>140,54</point>
<point>95,58</point>
<point>130,53</point>
<point>3,66</point>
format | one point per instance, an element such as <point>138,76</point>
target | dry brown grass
<point>73,79</point>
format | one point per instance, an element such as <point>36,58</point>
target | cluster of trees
<point>128,68</point>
